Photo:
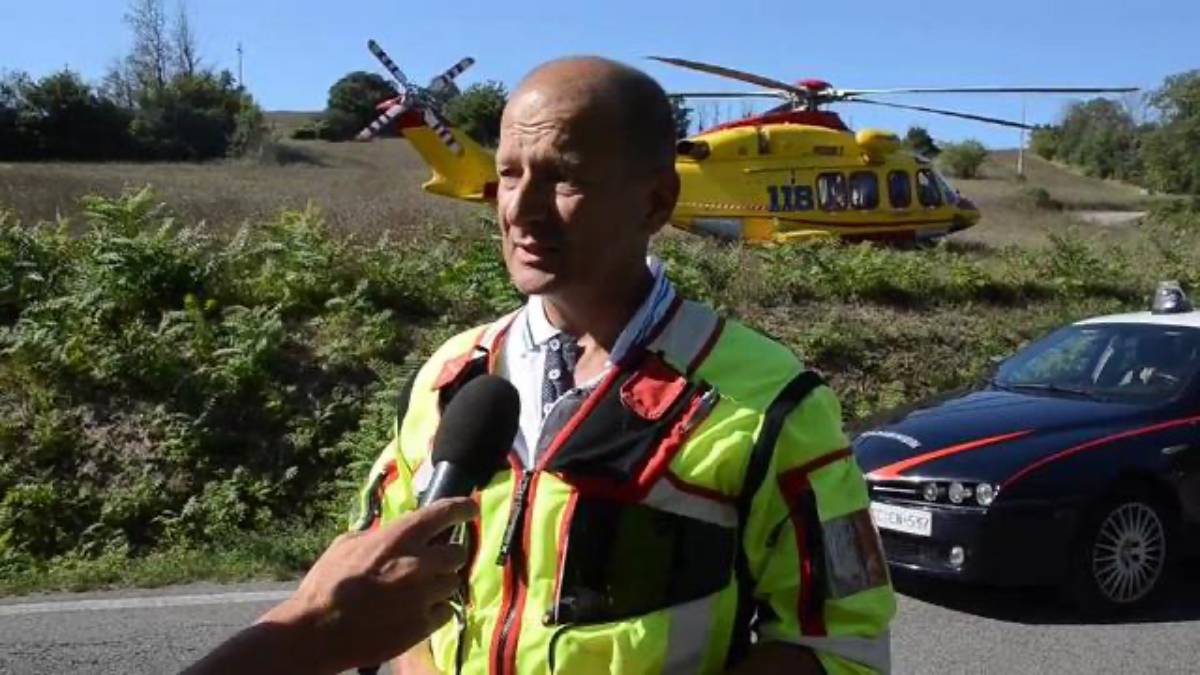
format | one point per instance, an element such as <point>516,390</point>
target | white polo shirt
<point>523,358</point>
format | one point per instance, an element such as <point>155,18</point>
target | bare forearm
<point>416,661</point>
<point>778,657</point>
<point>263,649</point>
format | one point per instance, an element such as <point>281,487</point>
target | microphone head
<point>478,426</point>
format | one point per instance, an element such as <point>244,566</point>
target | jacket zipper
<point>511,552</point>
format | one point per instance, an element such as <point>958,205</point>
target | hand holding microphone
<point>374,594</point>
<point>371,595</point>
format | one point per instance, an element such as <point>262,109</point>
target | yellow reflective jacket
<point>701,493</point>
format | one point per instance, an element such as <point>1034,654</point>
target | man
<point>344,612</point>
<point>680,496</point>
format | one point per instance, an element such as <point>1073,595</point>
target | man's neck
<point>598,321</point>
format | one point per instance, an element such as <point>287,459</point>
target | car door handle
<point>1175,449</point>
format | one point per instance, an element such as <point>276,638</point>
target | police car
<point>1077,463</point>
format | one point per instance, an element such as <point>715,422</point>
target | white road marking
<point>152,602</point>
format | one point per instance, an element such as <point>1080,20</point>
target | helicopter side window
<point>831,191</point>
<point>899,190</point>
<point>864,190</point>
<point>927,189</point>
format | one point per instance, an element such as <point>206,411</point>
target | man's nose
<point>528,203</point>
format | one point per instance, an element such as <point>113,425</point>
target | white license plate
<point>900,519</point>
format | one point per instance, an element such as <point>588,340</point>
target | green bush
<point>963,160</point>
<point>1039,198</point>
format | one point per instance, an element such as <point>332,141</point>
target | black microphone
<point>476,432</point>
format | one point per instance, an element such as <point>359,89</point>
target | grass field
<point>375,187</point>
<point>363,188</point>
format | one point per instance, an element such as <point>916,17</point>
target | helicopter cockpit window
<point>949,193</point>
<point>899,190</point>
<point>864,190</point>
<point>927,189</point>
<point>831,191</point>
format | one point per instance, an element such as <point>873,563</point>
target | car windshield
<point>1118,361</point>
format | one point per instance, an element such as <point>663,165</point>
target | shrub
<point>1039,198</point>
<point>963,160</point>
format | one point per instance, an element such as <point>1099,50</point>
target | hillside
<point>1011,216</point>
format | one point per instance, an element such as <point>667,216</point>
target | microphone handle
<point>449,480</point>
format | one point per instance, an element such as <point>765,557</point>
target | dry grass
<point>371,188</point>
<point>1010,217</point>
<point>365,189</point>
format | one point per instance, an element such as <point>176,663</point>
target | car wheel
<point>1122,555</point>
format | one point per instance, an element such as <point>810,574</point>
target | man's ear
<point>664,194</point>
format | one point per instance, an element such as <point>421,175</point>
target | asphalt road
<point>940,629</point>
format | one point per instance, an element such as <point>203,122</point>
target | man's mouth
<point>536,250</point>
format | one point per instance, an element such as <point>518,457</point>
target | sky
<point>294,50</point>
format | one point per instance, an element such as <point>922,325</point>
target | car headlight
<point>930,492</point>
<point>985,494</point>
<point>958,493</point>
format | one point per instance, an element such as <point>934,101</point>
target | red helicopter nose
<point>814,85</point>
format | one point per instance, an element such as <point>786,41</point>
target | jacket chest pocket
<point>623,560</point>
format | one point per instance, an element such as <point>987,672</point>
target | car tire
<point>1122,556</point>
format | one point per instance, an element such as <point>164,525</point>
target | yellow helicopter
<point>792,173</point>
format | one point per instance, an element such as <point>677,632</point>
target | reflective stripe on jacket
<point>623,549</point>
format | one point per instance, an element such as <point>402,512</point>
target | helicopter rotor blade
<point>442,128</point>
<point>729,94</point>
<point>389,64</point>
<point>847,93</point>
<point>380,123</point>
<point>443,81</point>
<point>948,113</point>
<point>732,73</point>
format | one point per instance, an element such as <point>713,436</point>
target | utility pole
<point>1021,148</point>
<point>241,82</point>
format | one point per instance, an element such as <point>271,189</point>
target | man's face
<point>572,213</point>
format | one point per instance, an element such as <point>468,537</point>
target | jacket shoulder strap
<point>787,400</point>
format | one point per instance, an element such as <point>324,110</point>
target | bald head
<point>636,105</point>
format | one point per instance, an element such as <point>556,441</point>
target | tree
<point>352,101</point>
<point>477,111</point>
<point>194,117</point>
<point>682,115</point>
<point>149,62</point>
<point>1100,136</point>
<point>59,117</point>
<point>1169,149</point>
<point>1044,141</point>
<point>187,56</point>
<point>918,140</point>
<point>963,160</point>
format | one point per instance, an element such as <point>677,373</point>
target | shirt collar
<point>539,330</point>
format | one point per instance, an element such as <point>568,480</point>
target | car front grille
<point>895,490</point>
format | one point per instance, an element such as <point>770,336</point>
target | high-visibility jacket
<point>701,493</point>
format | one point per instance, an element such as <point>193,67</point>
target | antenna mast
<point>1021,148</point>
<point>241,82</point>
